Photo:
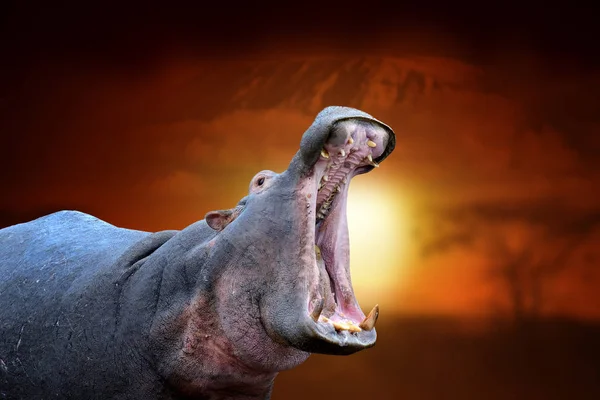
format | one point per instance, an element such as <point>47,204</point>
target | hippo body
<point>60,297</point>
<point>214,311</point>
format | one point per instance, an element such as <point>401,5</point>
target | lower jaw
<point>322,337</point>
<point>335,323</point>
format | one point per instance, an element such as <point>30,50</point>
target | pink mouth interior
<point>339,162</point>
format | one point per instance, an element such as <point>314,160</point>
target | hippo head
<point>284,288</point>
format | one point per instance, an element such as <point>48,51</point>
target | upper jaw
<point>318,134</point>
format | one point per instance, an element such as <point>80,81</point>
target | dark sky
<point>138,33</point>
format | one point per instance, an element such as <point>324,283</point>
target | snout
<point>323,132</point>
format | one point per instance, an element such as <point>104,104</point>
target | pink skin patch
<point>207,354</point>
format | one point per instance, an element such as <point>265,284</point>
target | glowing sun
<point>377,228</point>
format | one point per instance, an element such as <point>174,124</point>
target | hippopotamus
<point>89,310</point>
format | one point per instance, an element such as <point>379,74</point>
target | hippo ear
<point>218,220</point>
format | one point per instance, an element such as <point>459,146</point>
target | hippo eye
<point>260,181</point>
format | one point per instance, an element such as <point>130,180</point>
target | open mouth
<point>353,147</point>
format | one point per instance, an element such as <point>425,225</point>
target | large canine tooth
<point>370,143</point>
<point>350,140</point>
<point>342,153</point>
<point>373,163</point>
<point>325,178</point>
<point>316,313</point>
<point>324,153</point>
<point>369,322</point>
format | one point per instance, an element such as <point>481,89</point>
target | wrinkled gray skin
<point>92,311</point>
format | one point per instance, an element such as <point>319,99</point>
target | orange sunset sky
<point>489,205</point>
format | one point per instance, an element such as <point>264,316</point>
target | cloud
<point>470,223</point>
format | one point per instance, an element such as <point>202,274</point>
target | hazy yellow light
<point>377,227</point>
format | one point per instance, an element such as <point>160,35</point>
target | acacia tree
<point>525,248</point>
<point>525,268</point>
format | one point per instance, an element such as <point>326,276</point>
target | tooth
<point>325,178</point>
<point>342,153</point>
<point>317,252</point>
<point>324,153</point>
<point>350,140</point>
<point>369,322</point>
<point>345,326</point>
<point>373,163</point>
<point>341,326</point>
<point>316,313</point>
<point>370,143</point>
<point>345,180</point>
